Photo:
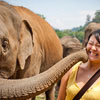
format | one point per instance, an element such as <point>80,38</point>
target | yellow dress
<point>93,93</point>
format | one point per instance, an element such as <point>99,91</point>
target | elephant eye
<point>5,45</point>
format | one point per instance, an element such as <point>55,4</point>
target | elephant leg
<point>50,94</point>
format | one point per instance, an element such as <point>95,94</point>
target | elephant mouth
<point>5,72</point>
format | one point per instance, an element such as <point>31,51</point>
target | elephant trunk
<point>26,88</point>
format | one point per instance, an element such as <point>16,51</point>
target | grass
<point>42,97</point>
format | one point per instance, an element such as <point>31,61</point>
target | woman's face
<point>93,49</point>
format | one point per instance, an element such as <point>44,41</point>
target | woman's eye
<point>98,45</point>
<point>90,43</point>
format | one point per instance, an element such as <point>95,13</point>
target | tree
<point>88,19</point>
<point>97,17</point>
<point>42,16</point>
<point>60,33</point>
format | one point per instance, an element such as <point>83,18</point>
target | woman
<point>77,76</point>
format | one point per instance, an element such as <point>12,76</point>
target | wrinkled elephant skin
<point>30,87</point>
<point>28,44</point>
<point>89,29</point>
<point>70,45</point>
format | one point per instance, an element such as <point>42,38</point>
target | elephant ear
<point>26,43</point>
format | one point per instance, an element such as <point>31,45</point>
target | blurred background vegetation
<point>77,32</point>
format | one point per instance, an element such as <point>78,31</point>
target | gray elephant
<point>90,28</point>
<point>28,45</point>
<point>70,45</point>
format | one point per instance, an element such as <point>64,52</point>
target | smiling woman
<point>93,47</point>
<point>78,76</point>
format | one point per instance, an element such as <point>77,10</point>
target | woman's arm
<point>62,90</point>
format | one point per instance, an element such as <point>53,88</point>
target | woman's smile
<point>93,55</point>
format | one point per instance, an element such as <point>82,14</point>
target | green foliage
<point>76,32</point>
<point>42,16</point>
<point>97,17</point>
<point>88,19</point>
<point>79,35</point>
<point>60,33</point>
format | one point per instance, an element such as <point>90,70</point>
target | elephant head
<point>70,45</point>
<point>89,29</point>
<point>12,29</point>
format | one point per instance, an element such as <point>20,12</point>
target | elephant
<point>28,44</point>
<point>93,26</point>
<point>70,45</point>
<point>30,54</point>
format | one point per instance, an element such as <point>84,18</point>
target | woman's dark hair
<point>96,34</point>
